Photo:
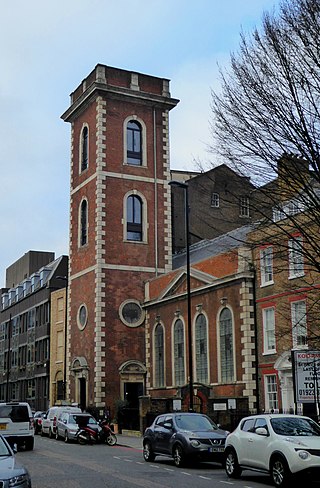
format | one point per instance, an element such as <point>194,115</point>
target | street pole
<point>316,391</point>
<point>185,187</point>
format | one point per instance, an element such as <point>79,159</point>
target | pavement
<point>133,441</point>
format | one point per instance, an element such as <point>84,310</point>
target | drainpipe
<point>256,338</point>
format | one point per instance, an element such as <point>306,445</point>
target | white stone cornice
<point>143,269</point>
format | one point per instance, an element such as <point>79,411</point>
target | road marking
<point>172,470</point>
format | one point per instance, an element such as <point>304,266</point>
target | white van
<point>16,424</point>
<point>49,422</point>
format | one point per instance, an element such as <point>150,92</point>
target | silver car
<point>68,423</point>
<point>50,419</point>
<point>12,474</point>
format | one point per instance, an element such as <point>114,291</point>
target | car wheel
<point>232,467</point>
<point>179,457</point>
<point>66,437</point>
<point>50,434</point>
<point>29,444</point>
<point>280,472</point>
<point>148,453</point>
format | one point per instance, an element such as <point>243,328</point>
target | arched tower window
<point>134,143</point>
<point>158,356</point>
<point>201,339</point>
<point>84,149</point>
<point>178,337</point>
<point>134,218</point>
<point>226,346</point>
<point>83,235</point>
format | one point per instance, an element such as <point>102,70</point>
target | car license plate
<point>3,426</point>
<point>216,449</point>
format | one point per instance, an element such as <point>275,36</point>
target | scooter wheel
<point>111,440</point>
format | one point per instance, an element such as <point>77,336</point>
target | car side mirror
<point>167,425</point>
<point>261,431</point>
<point>65,421</point>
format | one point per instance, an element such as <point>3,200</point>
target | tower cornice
<point>124,87</point>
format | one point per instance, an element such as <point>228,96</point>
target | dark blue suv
<point>185,437</point>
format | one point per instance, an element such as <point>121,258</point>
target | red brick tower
<point>120,229</point>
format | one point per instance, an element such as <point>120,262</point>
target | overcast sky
<point>48,47</point>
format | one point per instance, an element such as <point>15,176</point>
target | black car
<point>185,437</point>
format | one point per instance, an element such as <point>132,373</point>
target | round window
<point>82,316</point>
<point>131,313</point>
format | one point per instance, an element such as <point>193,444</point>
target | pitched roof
<point>208,248</point>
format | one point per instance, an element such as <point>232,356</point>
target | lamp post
<point>185,187</point>
<point>8,358</point>
<point>316,388</point>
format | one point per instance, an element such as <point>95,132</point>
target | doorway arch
<point>80,370</point>
<point>132,386</point>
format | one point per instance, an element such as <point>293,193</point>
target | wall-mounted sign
<point>232,404</point>
<point>307,375</point>
<point>176,405</point>
<point>219,406</point>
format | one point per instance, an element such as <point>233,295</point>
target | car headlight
<point>294,440</point>
<point>18,480</point>
<point>195,443</point>
<point>303,454</point>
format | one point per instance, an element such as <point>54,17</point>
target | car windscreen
<point>295,426</point>
<point>72,419</point>
<point>195,422</point>
<point>4,451</point>
<point>17,413</point>
<point>92,421</point>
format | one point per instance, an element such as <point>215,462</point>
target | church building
<point>120,230</point>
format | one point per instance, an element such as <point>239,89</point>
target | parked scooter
<point>87,435</point>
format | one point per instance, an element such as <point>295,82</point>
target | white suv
<point>278,444</point>
<point>16,424</point>
<point>49,422</point>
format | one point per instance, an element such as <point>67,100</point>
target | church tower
<point>120,229</point>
